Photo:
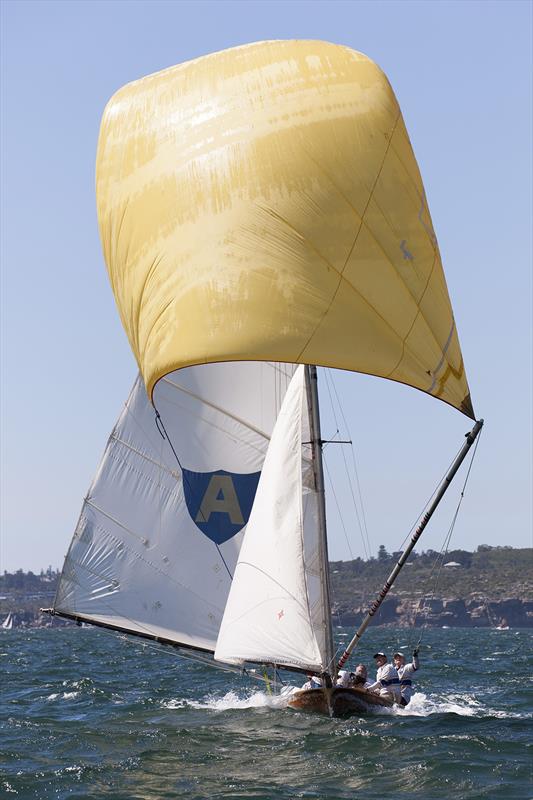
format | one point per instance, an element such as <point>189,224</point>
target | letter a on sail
<point>219,502</point>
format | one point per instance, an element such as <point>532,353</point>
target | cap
<point>400,655</point>
<point>376,655</point>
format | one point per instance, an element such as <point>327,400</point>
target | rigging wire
<point>332,488</point>
<point>163,431</point>
<point>441,557</point>
<point>361,519</point>
<point>356,471</point>
<point>281,381</point>
<point>429,500</point>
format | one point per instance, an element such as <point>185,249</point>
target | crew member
<point>345,679</point>
<point>387,681</point>
<point>405,674</point>
<point>313,682</point>
<point>361,677</point>
<point>349,680</point>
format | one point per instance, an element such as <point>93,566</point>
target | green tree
<point>383,555</point>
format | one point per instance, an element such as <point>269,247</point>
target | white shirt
<point>313,683</point>
<point>343,678</point>
<point>405,675</point>
<point>346,682</point>
<point>388,682</point>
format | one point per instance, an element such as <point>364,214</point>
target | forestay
<point>156,546</point>
<point>274,612</point>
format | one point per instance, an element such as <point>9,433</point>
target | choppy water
<point>86,714</point>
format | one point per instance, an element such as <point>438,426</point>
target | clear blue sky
<point>462,74</point>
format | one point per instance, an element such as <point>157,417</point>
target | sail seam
<point>223,430</point>
<point>145,457</point>
<point>135,419</point>
<point>269,577</point>
<point>367,227</point>
<point>417,315</point>
<point>150,564</point>
<point>363,222</point>
<point>122,460</point>
<point>136,555</point>
<point>341,271</point>
<point>344,279</point>
<point>433,240</point>
<point>195,396</point>
<point>443,357</point>
<point>141,539</point>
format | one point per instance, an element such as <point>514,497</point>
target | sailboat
<point>503,626</point>
<point>261,212</point>
<point>7,624</point>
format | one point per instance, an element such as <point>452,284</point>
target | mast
<point>316,446</point>
<point>470,439</point>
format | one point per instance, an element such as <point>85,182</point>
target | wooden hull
<point>338,702</point>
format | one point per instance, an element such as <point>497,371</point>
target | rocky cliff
<point>490,587</point>
<point>473,612</point>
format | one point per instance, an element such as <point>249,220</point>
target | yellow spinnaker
<point>264,202</point>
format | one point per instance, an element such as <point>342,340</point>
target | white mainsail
<point>274,612</point>
<point>7,624</point>
<point>157,541</point>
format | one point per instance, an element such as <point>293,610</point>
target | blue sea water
<point>90,714</point>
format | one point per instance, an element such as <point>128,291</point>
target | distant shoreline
<point>490,587</point>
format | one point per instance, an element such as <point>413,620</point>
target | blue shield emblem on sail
<point>219,502</point>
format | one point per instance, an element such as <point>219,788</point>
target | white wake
<point>421,705</point>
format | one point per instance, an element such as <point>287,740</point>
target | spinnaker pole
<point>316,445</point>
<point>374,606</point>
